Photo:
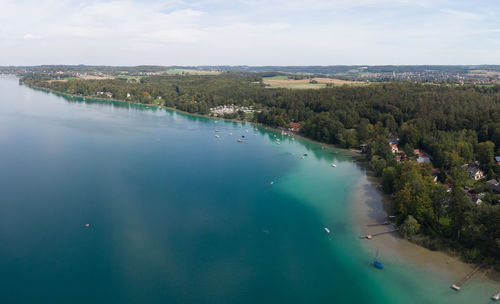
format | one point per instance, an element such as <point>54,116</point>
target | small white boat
<point>230,133</point>
<point>217,136</point>
<point>271,182</point>
<point>255,134</point>
<point>334,165</point>
<point>216,130</point>
<point>277,139</point>
<point>293,138</point>
<point>246,131</point>
<point>302,157</point>
<point>496,297</point>
<point>239,140</point>
<point>278,142</point>
<point>327,230</point>
<point>455,287</point>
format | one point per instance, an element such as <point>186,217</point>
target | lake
<point>175,214</point>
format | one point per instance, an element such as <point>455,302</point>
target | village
<point>476,188</point>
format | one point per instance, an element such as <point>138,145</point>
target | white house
<point>474,172</point>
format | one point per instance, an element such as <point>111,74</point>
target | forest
<point>435,201</point>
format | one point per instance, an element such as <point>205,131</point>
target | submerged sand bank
<point>369,206</point>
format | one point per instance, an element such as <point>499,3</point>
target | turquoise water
<point>177,215</point>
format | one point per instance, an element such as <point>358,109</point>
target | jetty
<point>379,224</point>
<point>370,236</point>
<point>458,286</point>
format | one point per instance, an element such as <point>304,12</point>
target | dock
<point>458,286</point>
<point>369,236</point>
<point>379,224</point>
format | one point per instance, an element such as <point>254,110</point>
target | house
<point>394,148</point>
<point>494,185</point>
<point>423,159</point>
<point>474,172</point>
<point>495,188</point>
<point>393,141</point>
<point>402,157</point>
<point>294,126</point>
<point>497,160</point>
<point>492,182</point>
<point>418,153</point>
<point>477,200</point>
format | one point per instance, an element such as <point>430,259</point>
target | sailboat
<point>376,263</point>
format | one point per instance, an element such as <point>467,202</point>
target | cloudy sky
<point>251,32</point>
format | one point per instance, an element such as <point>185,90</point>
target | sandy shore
<point>369,206</point>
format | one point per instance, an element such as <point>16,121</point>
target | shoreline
<point>295,134</point>
<point>370,206</point>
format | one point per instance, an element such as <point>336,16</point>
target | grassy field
<point>284,82</point>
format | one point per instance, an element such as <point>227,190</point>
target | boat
<point>87,225</point>
<point>255,134</point>
<point>334,165</point>
<point>217,136</point>
<point>302,157</point>
<point>239,140</point>
<point>271,182</point>
<point>456,287</point>
<point>246,131</point>
<point>327,230</point>
<point>230,133</point>
<point>216,130</point>
<point>369,236</point>
<point>496,297</point>
<point>378,265</point>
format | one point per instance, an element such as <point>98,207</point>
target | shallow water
<point>177,215</point>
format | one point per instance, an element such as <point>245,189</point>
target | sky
<point>251,32</point>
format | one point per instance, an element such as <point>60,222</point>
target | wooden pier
<point>369,236</point>
<point>379,224</point>
<point>458,285</point>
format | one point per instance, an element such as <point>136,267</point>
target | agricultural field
<point>314,83</point>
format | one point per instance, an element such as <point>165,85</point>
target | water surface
<point>176,215</point>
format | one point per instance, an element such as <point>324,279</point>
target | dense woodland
<point>455,125</point>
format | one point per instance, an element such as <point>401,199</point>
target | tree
<point>485,154</point>
<point>388,178</point>
<point>377,164</point>
<point>409,227</point>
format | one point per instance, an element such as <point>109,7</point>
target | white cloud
<point>255,32</point>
